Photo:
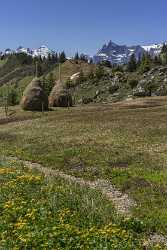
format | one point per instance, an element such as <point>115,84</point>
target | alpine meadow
<point>83,131</point>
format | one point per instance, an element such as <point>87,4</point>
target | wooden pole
<point>36,69</point>
<point>42,108</point>
<point>6,105</point>
<point>60,72</point>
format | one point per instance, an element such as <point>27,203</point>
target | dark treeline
<point>80,57</point>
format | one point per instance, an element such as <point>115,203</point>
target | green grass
<point>16,87</point>
<point>49,213</point>
<point>71,67</point>
<point>125,145</point>
<point>7,88</point>
<point>2,62</point>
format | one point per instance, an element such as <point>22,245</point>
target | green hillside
<point>71,67</point>
<point>102,83</point>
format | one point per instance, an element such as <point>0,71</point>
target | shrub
<point>113,89</point>
<point>133,83</point>
<point>13,98</point>
<point>87,100</point>
<point>99,72</point>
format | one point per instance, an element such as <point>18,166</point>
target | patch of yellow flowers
<point>29,178</point>
<point>20,224</point>
<point>64,228</point>
<point>8,205</point>
<point>6,171</point>
<point>63,214</point>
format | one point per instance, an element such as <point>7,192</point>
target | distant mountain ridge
<point>116,54</point>
<point>42,51</point>
<point>120,54</point>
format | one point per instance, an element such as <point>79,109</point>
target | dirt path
<point>123,204</point>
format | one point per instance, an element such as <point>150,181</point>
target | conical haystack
<point>34,97</point>
<point>60,96</point>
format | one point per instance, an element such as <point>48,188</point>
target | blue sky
<point>82,25</point>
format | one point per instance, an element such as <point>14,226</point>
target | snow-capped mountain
<point>116,54</point>
<point>8,52</point>
<point>42,51</point>
<point>153,49</point>
<point>120,54</point>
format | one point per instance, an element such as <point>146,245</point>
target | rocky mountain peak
<point>120,54</point>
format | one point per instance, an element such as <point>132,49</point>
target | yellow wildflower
<point>20,224</point>
<point>8,204</point>
<point>6,171</point>
<point>29,178</point>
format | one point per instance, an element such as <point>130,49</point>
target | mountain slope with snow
<point>120,54</point>
<point>42,51</point>
<point>116,54</point>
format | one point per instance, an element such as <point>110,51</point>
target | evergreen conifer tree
<point>132,64</point>
<point>145,64</point>
<point>76,57</point>
<point>62,57</point>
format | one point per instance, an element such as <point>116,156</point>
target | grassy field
<point>40,213</point>
<point>125,143</point>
